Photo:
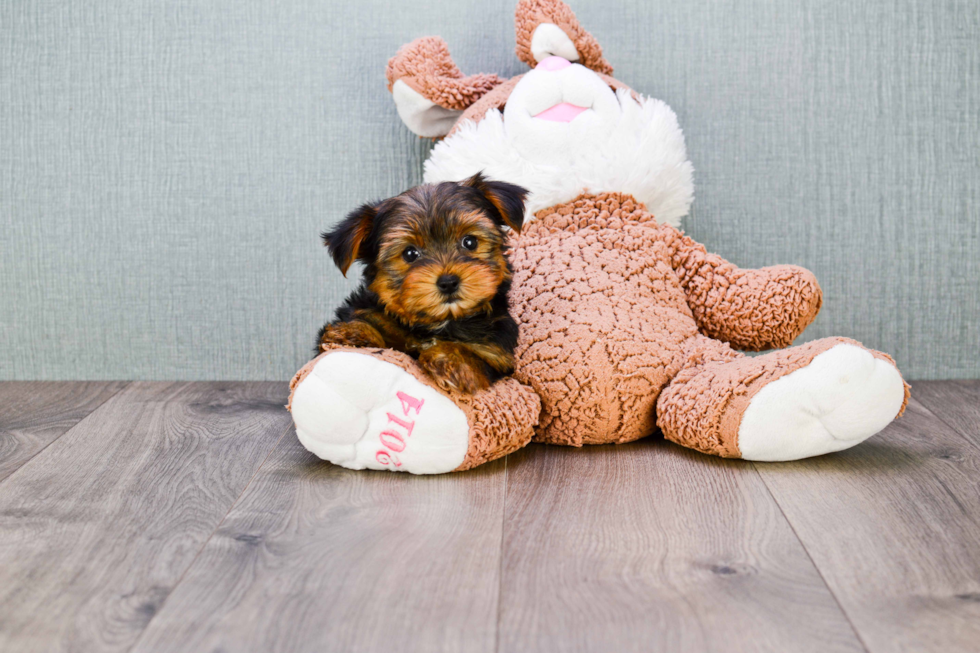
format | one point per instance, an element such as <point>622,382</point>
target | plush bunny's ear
<point>508,199</point>
<point>429,90</point>
<point>549,28</point>
<point>346,240</point>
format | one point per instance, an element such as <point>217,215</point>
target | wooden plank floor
<point>186,517</point>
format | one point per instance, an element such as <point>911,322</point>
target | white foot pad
<point>360,412</point>
<point>843,397</point>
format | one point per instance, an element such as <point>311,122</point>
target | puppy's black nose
<point>447,284</point>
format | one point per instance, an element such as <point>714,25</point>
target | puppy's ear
<point>346,240</point>
<point>508,199</point>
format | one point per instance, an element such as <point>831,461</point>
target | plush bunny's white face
<point>564,132</point>
<point>557,108</point>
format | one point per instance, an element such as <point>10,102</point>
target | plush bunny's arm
<point>752,310</point>
<point>429,90</point>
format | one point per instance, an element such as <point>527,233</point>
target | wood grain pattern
<point>894,527</point>
<point>651,547</point>
<point>318,558</point>
<point>956,403</point>
<point>112,539</point>
<point>33,414</point>
<point>98,528</point>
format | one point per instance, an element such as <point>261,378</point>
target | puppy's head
<point>436,252</point>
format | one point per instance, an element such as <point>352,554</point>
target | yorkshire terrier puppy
<point>435,281</point>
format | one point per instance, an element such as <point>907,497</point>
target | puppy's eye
<point>411,254</point>
<point>469,242</point>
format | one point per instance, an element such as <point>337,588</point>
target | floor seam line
<point>813,562</point>
<point>73,427</point>
<point>209,537</point>
<point>954,428</point>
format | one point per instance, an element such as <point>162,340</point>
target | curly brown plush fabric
<point>754,310</point>
<point>531,13</point>
<point>611,303</point>
<point>625,325</point>
<point>427,67</point>
<point>603,318</point>
<point>702,407</point>
<point>501,418</point>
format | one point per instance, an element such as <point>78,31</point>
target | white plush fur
<point>619,144</point>
<point>341,411</point>
<point>843,397</point>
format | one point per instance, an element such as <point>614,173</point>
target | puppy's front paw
<point>351,334</point>
<point>453,367</point>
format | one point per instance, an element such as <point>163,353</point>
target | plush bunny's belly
<point>604,319</point>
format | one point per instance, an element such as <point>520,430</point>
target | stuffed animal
<point>626,324</point>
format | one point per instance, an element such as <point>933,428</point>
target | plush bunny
<point>627,325</point>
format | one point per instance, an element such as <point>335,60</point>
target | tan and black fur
<point>435,281</point>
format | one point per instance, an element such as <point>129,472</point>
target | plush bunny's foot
<point>375,409</point>
<point>824,396</point>
<point>843,397</point>
<point>361,412</point>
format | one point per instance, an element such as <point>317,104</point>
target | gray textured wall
<point>165,166</point>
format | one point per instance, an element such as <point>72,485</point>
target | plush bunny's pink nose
<point>553,63</point>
